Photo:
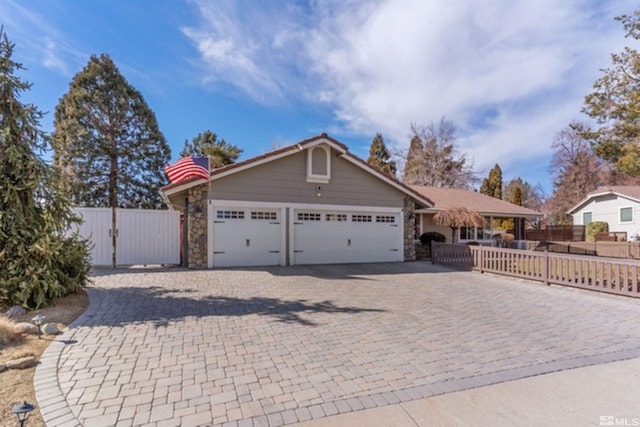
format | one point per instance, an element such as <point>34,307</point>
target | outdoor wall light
<point>319,191</point>
<point>38,319</point>
<point>22,412</point>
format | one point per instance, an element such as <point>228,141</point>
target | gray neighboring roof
<point>445,198</point>
<point>631,192</point>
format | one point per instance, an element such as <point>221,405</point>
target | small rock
<point>50,329</point>
<point>24,363</point>
<point>15,311</point>
<point>25,328</point>
<point>3,367</point>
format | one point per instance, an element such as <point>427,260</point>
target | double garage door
<point>246,236</point>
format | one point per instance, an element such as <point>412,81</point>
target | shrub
<point>6,330</point>
<point>432,236</point>
<point>595,227</point>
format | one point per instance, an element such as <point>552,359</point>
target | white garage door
<point>246,237</point>
<point>332,237</point>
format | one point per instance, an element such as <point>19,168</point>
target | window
<point>472,233</point>
<point>308,216</point>
<point>587,217</point>
<point>319,164</point>
<point>626,214</point>
<point>271,216</point>
<point>467,233</point>
<point>336,217</point>
<point>385,218</point>
<point>360,218</point>
<point>230,214</point>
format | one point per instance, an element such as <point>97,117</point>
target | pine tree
<point>108,146</point>
<point>206,144</point>
<point>517,196</point>
<point>415,165</point>
<point>615,106</point>
<point>37,261</point>
<point>380,157</point>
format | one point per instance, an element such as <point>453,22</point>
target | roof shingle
<point>445,198</point>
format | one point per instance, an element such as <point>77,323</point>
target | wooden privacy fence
<point>587,272</point>
<point>629,250</point>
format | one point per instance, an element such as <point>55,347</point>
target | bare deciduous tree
<point>434,158</point>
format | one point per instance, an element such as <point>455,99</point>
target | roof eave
<point>488,213</point>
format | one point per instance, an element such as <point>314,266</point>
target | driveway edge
<point>53,405</point>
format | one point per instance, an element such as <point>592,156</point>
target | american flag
<point>188,167</point>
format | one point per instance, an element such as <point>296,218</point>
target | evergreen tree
<point>380,157</point>
<point>492,186</point>
<point>531,197</point>
<point>37,261</point>
<point>206,144</point>
<point>517,196</point>
<point>415,164</point>
<point>615,105</point>
<point>107,143</point>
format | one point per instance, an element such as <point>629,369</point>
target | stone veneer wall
<point>409,229</point>
<point>198,227</point>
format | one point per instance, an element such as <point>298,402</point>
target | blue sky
<point>263,74</point>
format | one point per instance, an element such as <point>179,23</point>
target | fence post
<point>481,259</point>
<point>545,267</point>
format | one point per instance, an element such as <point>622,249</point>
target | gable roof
<point>291,150</point>
<point>445,198</point>
<point>631,192</point>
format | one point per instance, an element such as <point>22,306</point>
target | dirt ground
<point>16,385</point>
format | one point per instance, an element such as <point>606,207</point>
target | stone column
<point>198,227</point>
<point>409,211</point>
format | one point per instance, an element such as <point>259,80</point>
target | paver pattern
<point>274,346</point>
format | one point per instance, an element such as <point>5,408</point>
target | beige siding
<point>429,225</point>
<point>285,180</point>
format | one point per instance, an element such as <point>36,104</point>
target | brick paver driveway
<point>280,345</point>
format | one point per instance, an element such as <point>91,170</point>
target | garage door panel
<point>322,237</point>
<point>247,237</point>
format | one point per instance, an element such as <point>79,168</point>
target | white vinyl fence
<point>143,236</point>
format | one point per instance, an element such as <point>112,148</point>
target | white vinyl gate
<point>143,236</point>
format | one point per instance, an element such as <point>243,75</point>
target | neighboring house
<point>308,203</point>
<point>619,206</point>
<point>490,207</point>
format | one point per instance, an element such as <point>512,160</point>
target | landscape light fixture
<point>38,319</point>
<point>22,412</point>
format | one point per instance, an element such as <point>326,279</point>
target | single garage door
<point>334,237</point>
<point>246,237</point>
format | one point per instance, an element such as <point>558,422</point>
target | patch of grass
<point>6,330</point>
<point>22,354</point>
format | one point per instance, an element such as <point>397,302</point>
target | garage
<point>336,237</point>
<point>312,202</point>
<point>247,236</point>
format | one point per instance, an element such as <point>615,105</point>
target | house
<point>490,207</point>
<point>619,206</point>
<point>309,203</point>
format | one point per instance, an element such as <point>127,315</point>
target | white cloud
<point>510,74</point>
<point>37,38</point>
<point>51,58</point>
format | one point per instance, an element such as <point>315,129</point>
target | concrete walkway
<point>280,346</point>
<point>596,395</point>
